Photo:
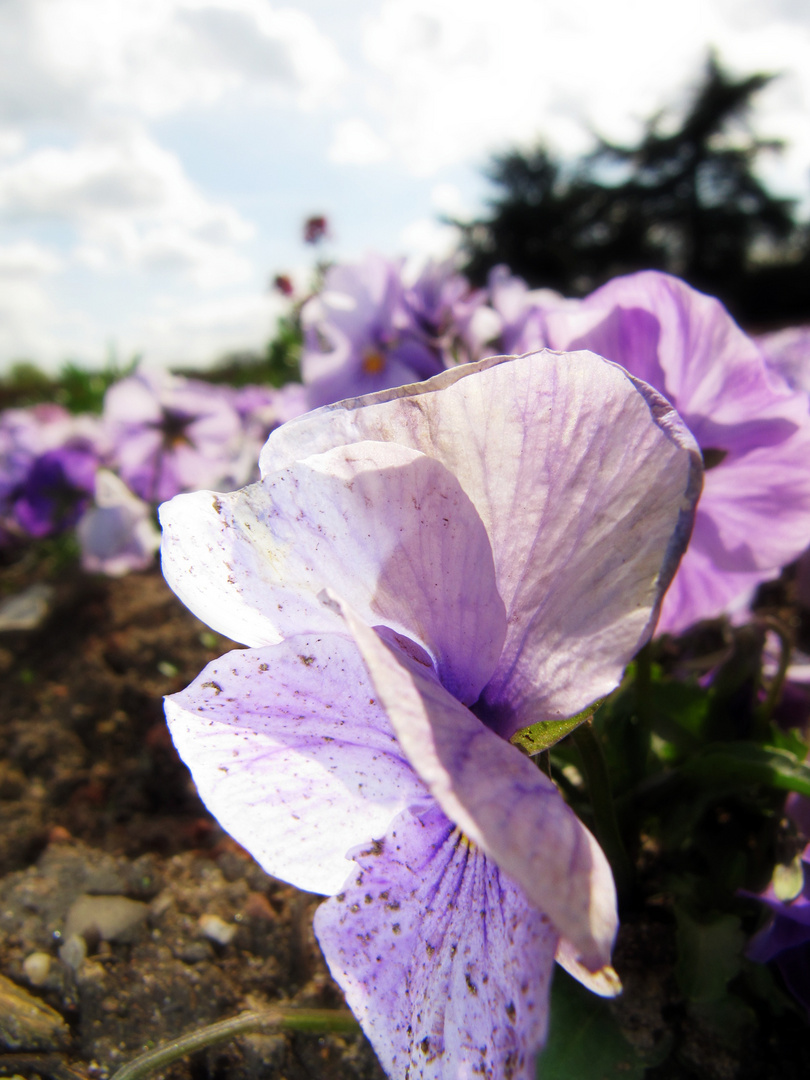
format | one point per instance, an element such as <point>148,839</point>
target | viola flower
<point>48,463</point>
<point>420,574</point>
<point>357,337</point>
<point>171,434</point>
<point>754,432</point>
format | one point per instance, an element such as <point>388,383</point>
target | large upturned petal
<point>384,525</point>
<point>754,514</point>
<point>586,483</point>
<point>440,956</point>
<point>294,756</point>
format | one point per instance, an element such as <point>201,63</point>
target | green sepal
<point>542,736</point>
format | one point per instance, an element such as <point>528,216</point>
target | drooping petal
<point>388,527</point>
<point>498,798</point>
<point>586,483</point>
<point>441,957</point>
<point>293,755</point>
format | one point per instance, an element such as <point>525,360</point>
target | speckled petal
<point>384,525</point>
<point>293,755</point>
<point>498,798</point>
<point>586,483</point>
<point>441,957</point>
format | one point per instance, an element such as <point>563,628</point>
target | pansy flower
<point>170,434</point>
<point>419,575</point>
<point>753,430</point>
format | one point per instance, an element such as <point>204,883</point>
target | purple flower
<point>520,311</point>
<point>116,535</point>
<point>359,336</point>
<point>419,575</point>
<point>754,432</point>
<point>48,462</point>
<point>171,434</point>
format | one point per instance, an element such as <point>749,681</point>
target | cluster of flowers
<point>427,569</point>
<point>484,514</point>
<point>158,435</point>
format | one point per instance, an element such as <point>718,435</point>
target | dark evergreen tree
<point>688,202</point>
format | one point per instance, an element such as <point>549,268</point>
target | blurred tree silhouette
<point>688,202</point>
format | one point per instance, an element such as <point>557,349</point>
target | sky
<point>158,158</point>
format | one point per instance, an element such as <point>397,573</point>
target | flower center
<point>373,362</point>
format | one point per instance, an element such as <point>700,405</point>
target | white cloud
<point>425,238</point>
<point>182,333</point>
<point>64,60</point>
<point>455,79</point>
<point>131,206</point>
<point>355,143</point>
<point>27,261</point>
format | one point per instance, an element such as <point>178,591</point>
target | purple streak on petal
<point>498,798</point>
<point>291,752</point>
<point>442,959</point>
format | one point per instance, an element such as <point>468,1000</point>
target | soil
<point>95,802</point>
<point>128,917</point>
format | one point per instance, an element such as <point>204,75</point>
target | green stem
<point>765,711</point>
<point>273,1019</point>
<point>604,811</point>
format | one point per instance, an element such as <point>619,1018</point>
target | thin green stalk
<point>604,811</point>
<point>316,1021</point>
<point>765,711</point>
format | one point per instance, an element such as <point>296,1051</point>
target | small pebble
<point>73,951</point>
<point>36,967</point>
<point>28,609</point>
<point>110,918</point>
<point>217,929</point>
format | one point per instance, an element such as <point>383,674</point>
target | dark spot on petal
<point>470,984</point>
<point>424,1045</point>
<point>368,898</point>
<point>396,928</point>
<point>354,909</point>
<point>212,686</point>
<point>511,1012</point>
<point>307,660</point>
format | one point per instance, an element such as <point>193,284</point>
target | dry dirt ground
<point>182,928</point>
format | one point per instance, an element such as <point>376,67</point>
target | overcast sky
<point>157,157</point>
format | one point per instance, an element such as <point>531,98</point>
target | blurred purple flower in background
<point>419,575</point>
<point>116,535</point>
<point>48,462</point>
<point>169,434</point>
<point>754,432</point>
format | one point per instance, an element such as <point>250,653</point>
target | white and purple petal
<point>586,483</point>
<point>498,797</point>
<point>292,753</point>
<point>441,957</point>
<point>384,525</point>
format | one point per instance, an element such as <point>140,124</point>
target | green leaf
<point>584,1041</point>
<point>742,764</point>
<point>709,955</point>
<point>543,735</point>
